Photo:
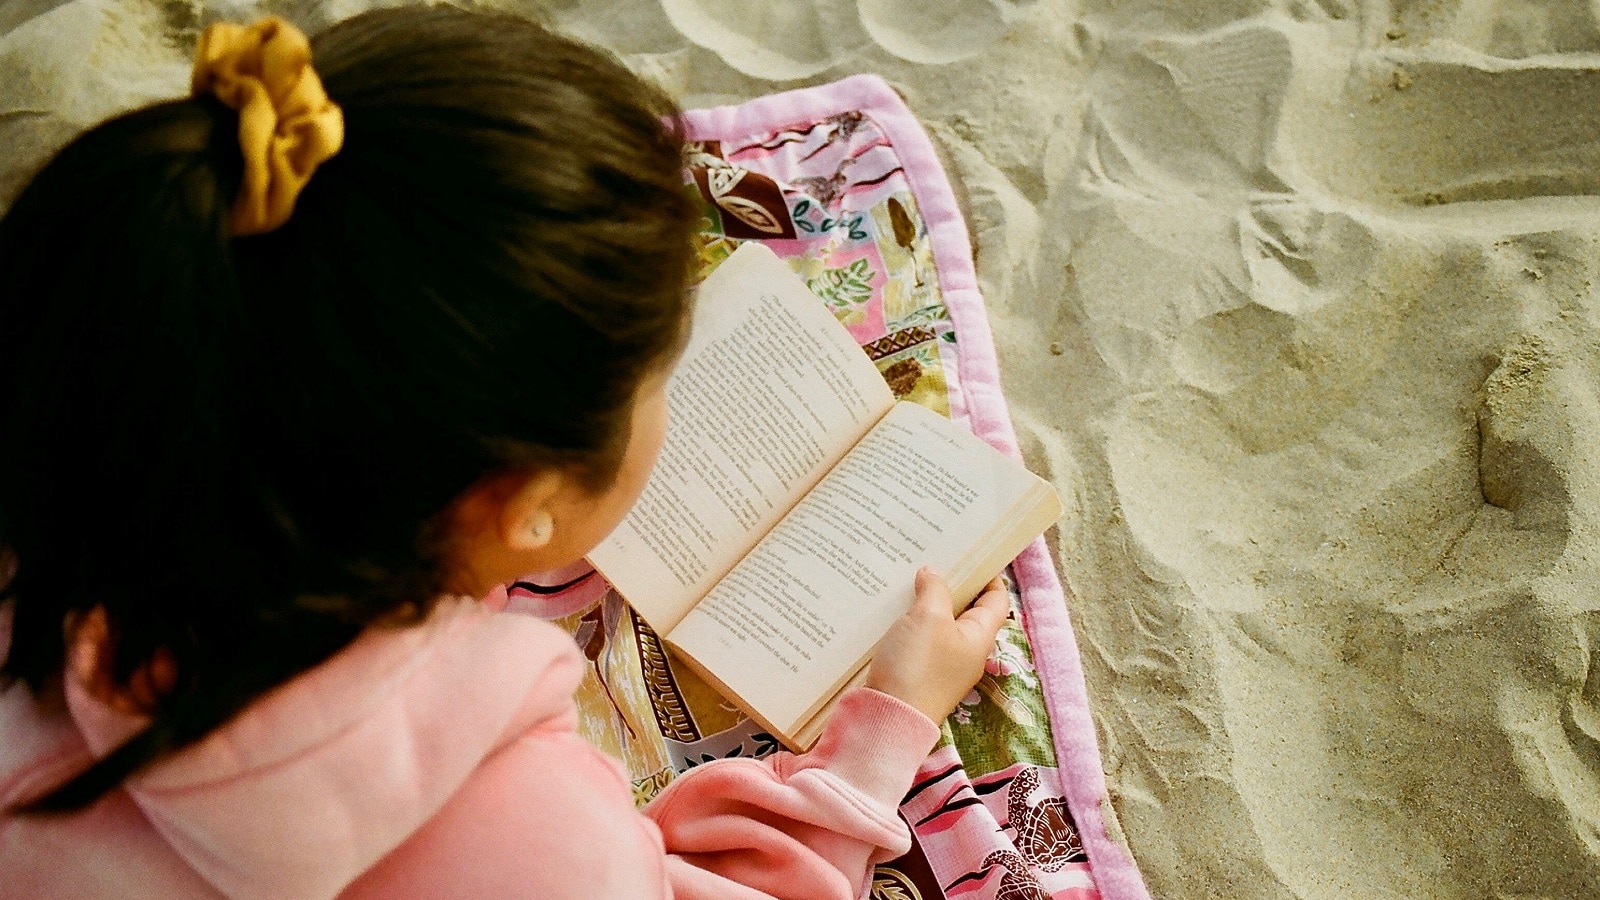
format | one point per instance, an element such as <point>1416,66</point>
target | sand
<point>1296,304</point>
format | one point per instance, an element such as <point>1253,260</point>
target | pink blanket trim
<point>976,397</point>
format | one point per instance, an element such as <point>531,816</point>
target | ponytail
<point>116,296</point>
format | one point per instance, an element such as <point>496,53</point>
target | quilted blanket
<point>842,182</point>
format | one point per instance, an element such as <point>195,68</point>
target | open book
<point>794,500</point>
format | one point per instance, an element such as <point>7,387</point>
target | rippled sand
<point>1295,303</point>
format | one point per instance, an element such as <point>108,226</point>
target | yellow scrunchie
<point>287,124</point>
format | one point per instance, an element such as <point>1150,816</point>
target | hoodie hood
<point>324,776</point>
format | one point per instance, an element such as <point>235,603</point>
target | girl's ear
<point>525,521</point>
<point>510,524</point>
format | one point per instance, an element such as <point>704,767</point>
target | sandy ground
<point>1295,303</point>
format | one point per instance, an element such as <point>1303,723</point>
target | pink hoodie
<point>442,761</point>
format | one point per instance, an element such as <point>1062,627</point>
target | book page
<point>770,393</point>
<point>797,617</point>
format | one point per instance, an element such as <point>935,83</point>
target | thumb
<point>982,621</point>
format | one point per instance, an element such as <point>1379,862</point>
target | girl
<point>295,367</point>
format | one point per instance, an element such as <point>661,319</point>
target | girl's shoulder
<point>381,734</point>
<point>313,783</point>
<point>465,670</point>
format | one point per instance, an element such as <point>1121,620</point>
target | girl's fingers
<point>932,594</point>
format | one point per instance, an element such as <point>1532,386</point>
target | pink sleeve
<point>797,826</point>
<point>550,816</point>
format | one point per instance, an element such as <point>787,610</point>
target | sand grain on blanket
<point>1296,304</point>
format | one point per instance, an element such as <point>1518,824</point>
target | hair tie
<point>287,124</point>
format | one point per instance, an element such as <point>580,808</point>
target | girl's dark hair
<point>242,448</point>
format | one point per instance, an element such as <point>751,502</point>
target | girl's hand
<point>930,658</point>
